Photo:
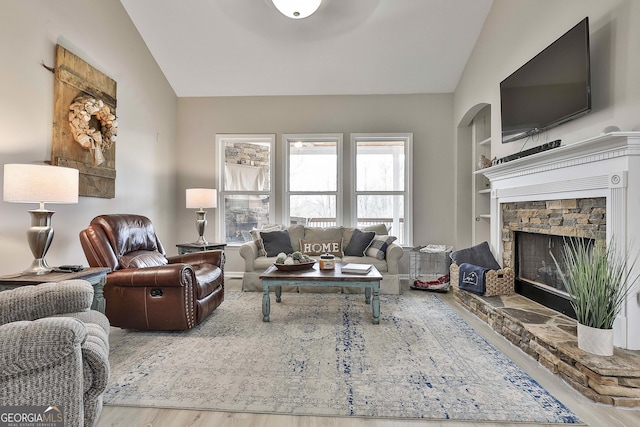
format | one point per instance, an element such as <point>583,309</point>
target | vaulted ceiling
<point>246,47</point>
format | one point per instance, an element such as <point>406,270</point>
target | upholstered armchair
<point>54,350</point>
<point>145,289</point>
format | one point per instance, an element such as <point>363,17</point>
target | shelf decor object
<point>200,198</point>
<point>40,184</point>
<point>297,9</point>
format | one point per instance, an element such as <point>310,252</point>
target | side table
<point>97,276</point>
<point>185,248</point>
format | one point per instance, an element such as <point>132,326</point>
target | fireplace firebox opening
<point>531,229</point>
<point>537,276</point>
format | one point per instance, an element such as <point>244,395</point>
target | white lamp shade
<point>40,184</point>
<point>297,9</point>
<point>202,198</point>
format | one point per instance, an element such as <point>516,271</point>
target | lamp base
<point>38,266</point>
<point>201,223</point>
<point>39,236</point>
<point>201,241</point>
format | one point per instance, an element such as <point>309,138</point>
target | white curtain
<point>243,177</point>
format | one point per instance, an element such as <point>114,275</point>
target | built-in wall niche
<point>481,148</point>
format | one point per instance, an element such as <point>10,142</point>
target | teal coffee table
<point>314,277</point>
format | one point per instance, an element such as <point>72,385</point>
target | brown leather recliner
<point>145,289</point>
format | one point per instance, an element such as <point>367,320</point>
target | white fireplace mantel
<point>605,166</point>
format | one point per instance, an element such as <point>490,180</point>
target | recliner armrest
<point>170,275</point>
<point>209,257</point>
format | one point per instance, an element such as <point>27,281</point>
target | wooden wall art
<point>84,124</point>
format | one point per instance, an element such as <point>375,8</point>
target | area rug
<point>321,355</point>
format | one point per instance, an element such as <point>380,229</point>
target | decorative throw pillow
<point>479,255</point>
<point>276,242</point>
<point>360,241</point>
<point>142,259</point>
<point>255,233</point>
<point>378,247</point>
<point>311,247</point>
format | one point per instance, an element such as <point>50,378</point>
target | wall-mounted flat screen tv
<point>550,89</point>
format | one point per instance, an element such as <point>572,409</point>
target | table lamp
<point>40,184</point>
<point>200,198</point>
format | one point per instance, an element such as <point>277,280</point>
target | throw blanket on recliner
<point>472,278</point>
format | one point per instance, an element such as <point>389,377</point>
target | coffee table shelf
<point>314,277</point>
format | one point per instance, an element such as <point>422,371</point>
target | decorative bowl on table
<point>295,267</point>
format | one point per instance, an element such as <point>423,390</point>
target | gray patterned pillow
<point>378,246</point>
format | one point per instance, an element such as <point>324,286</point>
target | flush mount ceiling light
<point>297,9</point>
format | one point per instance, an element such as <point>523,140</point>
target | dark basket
<point>295,267</point>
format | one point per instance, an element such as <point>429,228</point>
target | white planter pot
<point>596,341</point>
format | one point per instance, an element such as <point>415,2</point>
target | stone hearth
<point>550,338</point>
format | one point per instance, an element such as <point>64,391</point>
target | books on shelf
<point>356,268</point>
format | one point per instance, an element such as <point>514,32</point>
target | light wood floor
<point>593,414</point>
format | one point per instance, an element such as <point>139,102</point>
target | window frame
<point>220,141</point>
<point>286,140</point>
<point>407,238</point>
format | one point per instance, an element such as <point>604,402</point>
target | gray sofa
<point>54,350</point>
<point>255,262</point>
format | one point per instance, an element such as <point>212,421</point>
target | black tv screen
<point>550,89</point>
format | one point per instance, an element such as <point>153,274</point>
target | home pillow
<point>360,241</point>
<point>315,247</point>
<point>142,259</point>
<point>276,242</point>
<point>378,246</point>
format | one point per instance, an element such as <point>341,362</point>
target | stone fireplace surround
<point>579,174</point>
<point>607,166</point>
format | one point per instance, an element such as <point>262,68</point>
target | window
<point>382,176</point>
<point>313,179</point>
<point>247,194</point>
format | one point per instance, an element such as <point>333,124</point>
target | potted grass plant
<point>598,281</point>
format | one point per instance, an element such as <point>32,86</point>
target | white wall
<point>102,34</point>
<point>428,117</point>
<point>516,30</point>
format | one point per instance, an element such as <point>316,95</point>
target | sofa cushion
<point>359,242</point>
<point>379,229</point>
<point>296,232</point>
<point>380,264</point>
<point>142,259</point>
<point>378,247</point>
<point>322,234</point>
<point>315,247</point>
<point>276,242</point>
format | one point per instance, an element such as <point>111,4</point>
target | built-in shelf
<point>485,141</point>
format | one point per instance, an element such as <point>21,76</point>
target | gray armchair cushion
<point>54,349</point>
<point>44,300</point>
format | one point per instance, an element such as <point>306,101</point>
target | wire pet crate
<point>429,267</point>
